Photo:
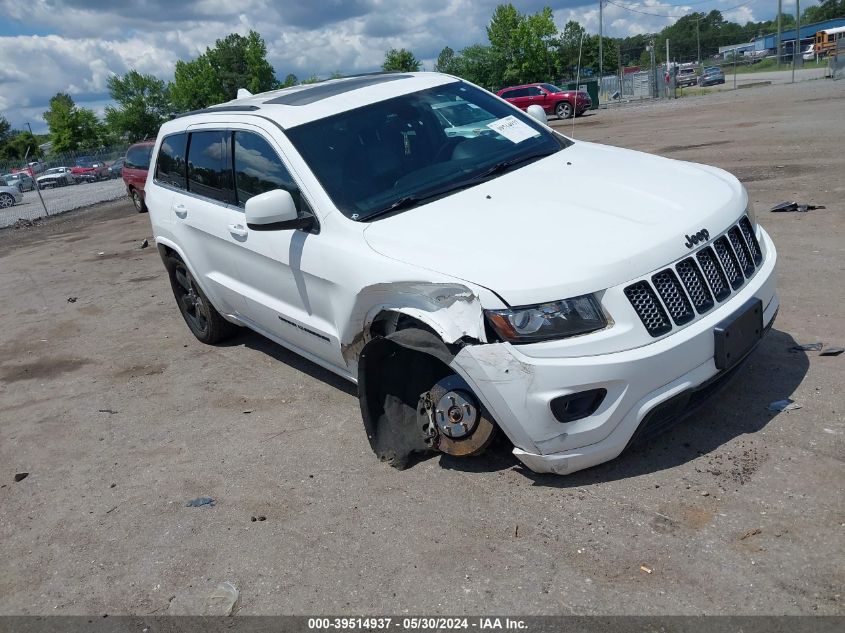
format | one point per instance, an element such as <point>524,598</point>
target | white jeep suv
<point>571,294</point>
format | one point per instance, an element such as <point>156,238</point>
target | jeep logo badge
<point>702,236</point>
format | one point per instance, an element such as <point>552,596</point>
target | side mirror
<point>537,112</point>
<point>275,210</point>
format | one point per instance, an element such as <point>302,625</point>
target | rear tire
<point>202,318</point>
<point>140,207</point>
<point>6,200</point>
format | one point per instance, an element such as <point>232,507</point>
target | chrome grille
<point>673,296</point>
<point>648,308</point>
<point>694,284</point>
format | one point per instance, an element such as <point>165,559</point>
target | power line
<point>666,15</point>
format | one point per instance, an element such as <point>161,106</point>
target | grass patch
<point>768,65</point>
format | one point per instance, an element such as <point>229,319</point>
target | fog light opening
<point>576,406</point>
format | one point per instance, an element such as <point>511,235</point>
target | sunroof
<point>332,89</point>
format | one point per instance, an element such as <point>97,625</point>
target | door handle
<point>180,210</point>
<point>238,230</point>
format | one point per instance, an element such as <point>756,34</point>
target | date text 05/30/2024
<point>415,623</point>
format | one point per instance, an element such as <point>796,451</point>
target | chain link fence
<point>38,203</point>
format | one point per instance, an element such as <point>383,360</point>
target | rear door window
<point>170,164</point>
<point>210,165</point>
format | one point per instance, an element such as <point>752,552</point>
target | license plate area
<point>736,335</point>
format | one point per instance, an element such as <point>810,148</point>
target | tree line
<point>520,48</point>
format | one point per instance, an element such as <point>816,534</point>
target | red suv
<point>554,100</point>
<point>135,167</point>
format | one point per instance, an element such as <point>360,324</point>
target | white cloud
<point>73,46</point>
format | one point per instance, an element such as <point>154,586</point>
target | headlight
<point>546,321</point>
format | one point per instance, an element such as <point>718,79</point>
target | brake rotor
<point>457,422</point>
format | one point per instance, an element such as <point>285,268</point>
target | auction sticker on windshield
<point>513,129</point>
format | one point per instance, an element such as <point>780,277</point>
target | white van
<point>573,295</point>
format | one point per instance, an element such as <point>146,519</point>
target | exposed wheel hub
<point>456,424</point>
<point>456,414</point>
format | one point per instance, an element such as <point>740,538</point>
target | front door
<point>283,298</point>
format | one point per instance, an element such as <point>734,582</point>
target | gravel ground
<point>120,417</point>
<point>62,199</point>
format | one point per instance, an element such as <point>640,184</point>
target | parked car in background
<point>115,168</point>
<point>35,167</point>
<point>809,54</point>
<point>554,100</point>
<point>686,76</point>
<point>135,166</point>
<point>9,196</point>
<point>711,76</point>
<point>88,169</point>
<point>56,177</point>
<point>20,179</point>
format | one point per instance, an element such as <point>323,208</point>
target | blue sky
<point>48,46</point>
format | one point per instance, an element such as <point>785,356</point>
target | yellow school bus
<point>826,41</point>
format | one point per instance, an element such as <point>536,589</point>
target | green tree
<point>825,10</point>
<point>476,64</point>
<point>5,128</point>
<point>568,46</point>
<point>401,60</point>
<point>18,145</point>
<point>143,105</point>
<point>215,76</point>
<point>290,80</point>
<point>445,61</point>
<point>522,44</point>
<point>72,127</point>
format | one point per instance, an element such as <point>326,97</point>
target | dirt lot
<point>120,417</point>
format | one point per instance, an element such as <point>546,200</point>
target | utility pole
<point>37,188</point>
<point>668,74</point>
<point>780,31</point>
<point>698,39</point>
<point>601,41</point>
<point>796,47</point>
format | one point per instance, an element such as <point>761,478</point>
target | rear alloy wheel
<point>6,200</point>
<point>563,110</point>
<point>140,207</point>
<point>204,321</point>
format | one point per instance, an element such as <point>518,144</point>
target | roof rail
<point>225,108</point>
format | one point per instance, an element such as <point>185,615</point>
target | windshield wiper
<point>406,202</point>
<point>505,165</point>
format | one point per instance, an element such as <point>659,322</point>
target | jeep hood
<point>584,219</point>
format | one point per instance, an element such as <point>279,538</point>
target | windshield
<point>397,152</point>
<point>459,113</point>
<point>551,88</point>
<point>55,170</point>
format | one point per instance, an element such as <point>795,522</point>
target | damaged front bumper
<point>674,371</point>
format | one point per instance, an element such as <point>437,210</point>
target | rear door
<point>520,98</point>
<point>197,167</point>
